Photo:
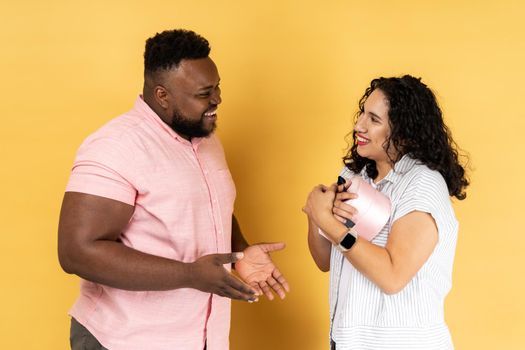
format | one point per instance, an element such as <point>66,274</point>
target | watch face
<point>348,241</point>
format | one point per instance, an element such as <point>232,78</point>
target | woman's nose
<point>359,124</point>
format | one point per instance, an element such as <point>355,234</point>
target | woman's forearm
<point>319,247</point>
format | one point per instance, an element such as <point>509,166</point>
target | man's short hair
<point>167,49</point>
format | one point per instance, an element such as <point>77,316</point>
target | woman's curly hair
<point>417,129</point>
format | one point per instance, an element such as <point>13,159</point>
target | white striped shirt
<point>362,316</point>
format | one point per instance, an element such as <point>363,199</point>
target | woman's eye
<point>375,119</point>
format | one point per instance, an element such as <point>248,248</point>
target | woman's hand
<point>343,211</point>
<point>319,204</point>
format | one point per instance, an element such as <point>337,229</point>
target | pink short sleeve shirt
<point>183,195</point>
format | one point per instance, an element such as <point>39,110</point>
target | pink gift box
<point>373,208</point>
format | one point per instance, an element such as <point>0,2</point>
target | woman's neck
<point>383,168</point>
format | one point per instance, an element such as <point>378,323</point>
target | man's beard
<point>190,128</point>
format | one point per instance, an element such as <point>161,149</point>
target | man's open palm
<point>258,270</point>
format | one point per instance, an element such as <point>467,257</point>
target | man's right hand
<point>89,246</point>
<point>208,274</point>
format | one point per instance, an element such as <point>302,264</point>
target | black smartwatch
<point>348,241</point>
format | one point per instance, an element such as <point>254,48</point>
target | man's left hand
<point>258,270</point>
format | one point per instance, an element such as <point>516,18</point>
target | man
<point>147,218</point>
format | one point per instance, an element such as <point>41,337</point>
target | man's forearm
<point>115,265</point>
<point>239,243</point>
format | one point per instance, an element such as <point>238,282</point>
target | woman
<point>389,293</point>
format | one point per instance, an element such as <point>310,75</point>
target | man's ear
<point>161,96</point>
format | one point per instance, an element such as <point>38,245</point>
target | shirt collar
<point>145,110</point>
<point>401,167</point>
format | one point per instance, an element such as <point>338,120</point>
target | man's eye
<point>204,94</point>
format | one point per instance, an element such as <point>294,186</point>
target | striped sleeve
<point>426,192</point>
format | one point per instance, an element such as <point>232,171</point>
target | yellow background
<point>292,72</point>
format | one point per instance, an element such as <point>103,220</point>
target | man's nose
<point>216,97</point>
